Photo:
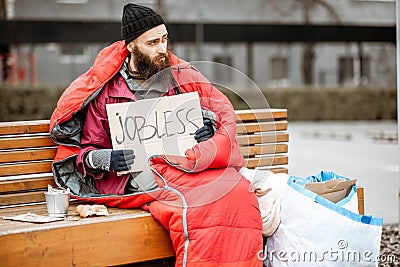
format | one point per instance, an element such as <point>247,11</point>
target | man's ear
<point>130,47</point>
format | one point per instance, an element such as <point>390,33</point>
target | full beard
<point>147,67</point>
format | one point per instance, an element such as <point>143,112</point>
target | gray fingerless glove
<point>208,114</point>
<point>110,160</point>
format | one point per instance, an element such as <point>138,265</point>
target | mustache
<point>161,56</point>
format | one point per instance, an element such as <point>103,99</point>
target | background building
<point>279,64</point>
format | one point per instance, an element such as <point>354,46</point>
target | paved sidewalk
<point>349,149</point>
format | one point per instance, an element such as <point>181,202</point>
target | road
<point>349,149</point>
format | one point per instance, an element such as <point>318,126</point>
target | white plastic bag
<point>317,232</point>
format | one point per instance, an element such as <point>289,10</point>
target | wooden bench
<point>127,235</point>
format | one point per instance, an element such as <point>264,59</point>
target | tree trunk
<point>308,48</point>
<point>3,9</point>
<point>308,59</point>
<point>308,63</point>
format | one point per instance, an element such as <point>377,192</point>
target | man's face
<point>150,52</point>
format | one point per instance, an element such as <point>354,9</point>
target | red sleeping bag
<point>202,200</point>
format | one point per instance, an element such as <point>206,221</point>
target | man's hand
<point>121,159</point>
<point>205,132</point>
<point>110,160</point>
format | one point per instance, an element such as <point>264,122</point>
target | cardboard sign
<point>163,125</point>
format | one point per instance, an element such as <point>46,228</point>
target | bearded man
<point>201,198</point>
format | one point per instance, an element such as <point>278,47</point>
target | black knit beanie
<point>137,20</point>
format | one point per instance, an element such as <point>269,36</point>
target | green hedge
<point>330,104</point>
<point>20,103</point>
<point>23,103</point>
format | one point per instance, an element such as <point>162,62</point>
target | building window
<point>365,70</point>
<point>279,68</point>
<point>73,54</point>
<point>346,70</point>
<point>223,73</point>
<point>279,71</point>
<point>354,70</point>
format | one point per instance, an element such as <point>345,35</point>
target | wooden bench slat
<point>262,138</point>
<point>260,114</point>
<point>263,149</point>
<point>266,161</point>
<point>27,155</point>
<point>21,198</point>
<point>25,184</point>
<point>279,170</point>
<point>26,142</point>
<point>23,127</point>
<point>261,127</point>
<point>42,126</point>
<point>45,141</point>
<point>360,198</point>
<point>25,168</point>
